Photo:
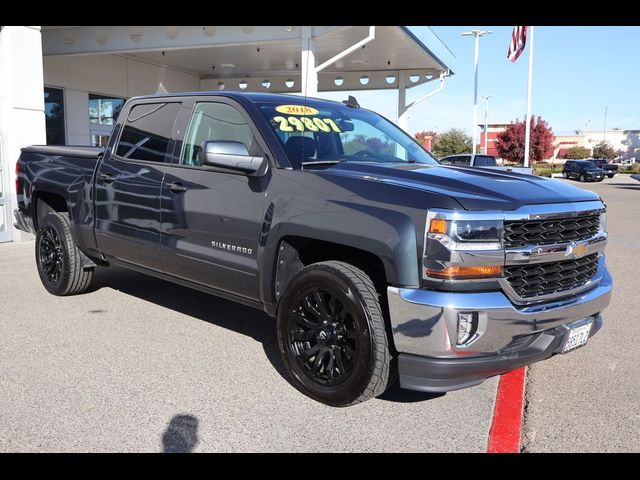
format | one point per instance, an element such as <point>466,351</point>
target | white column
<point>403,115</point>
<point>475,94</point>
<point>21,102</point>
<point>308,71</point>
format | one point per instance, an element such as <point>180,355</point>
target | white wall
<point>619,139</point>
<point>114,75</point>
<point>21,100</point>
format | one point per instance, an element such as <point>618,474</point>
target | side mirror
<point>230,155</point>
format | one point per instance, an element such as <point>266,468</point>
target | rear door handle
<point>106,178</point>
<point>177,187</point>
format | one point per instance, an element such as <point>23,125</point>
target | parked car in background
<point>484,161</point>
<point>609,168</point>
<point>583,170</point>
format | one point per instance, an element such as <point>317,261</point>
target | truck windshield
<point>327,133</point>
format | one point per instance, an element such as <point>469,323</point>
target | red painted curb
<point>506,427</point>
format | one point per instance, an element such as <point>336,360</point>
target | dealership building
<point>626,143</point>
<point>63,85</point>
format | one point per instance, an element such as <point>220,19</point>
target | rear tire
<point>565,175</point>
<point>582,178</point>
<point>332,336</point>
<point>58,258</point>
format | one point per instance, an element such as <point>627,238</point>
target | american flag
<point>518,41</point>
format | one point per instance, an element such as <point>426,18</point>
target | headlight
<point>462,249</point>
<point>466,234</point>
<point>603,221</point>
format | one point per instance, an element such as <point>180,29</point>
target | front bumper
<point>424,326</point>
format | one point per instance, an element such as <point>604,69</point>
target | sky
<point>577,73</point>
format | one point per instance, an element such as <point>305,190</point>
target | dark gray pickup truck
<point>377,261</point>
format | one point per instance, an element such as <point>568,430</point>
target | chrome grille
<point>520,233</point>
<point>540,279</point>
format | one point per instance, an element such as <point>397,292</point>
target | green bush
<point>634,168</point>
<point>545,169</point>
<point>577,153</point>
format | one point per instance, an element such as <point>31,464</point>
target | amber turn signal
<point>464,272</point>
<point>438,225</point>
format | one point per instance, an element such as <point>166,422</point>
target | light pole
<point>477,34</point>
<point>486,123</point>
<point>604,126</point>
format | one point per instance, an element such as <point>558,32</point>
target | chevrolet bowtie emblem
<point>576,250</point>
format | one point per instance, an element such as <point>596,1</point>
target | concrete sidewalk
<point>144,365</point>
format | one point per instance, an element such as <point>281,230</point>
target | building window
<point>103,113</point>
<point>54,115</point>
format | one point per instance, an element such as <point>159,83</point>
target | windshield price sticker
<point>312,124</point>
<point>296,110</point>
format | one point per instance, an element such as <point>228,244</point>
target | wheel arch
<point>45,202</point>
<point>295,253</point>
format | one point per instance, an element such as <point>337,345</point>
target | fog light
<point>467,326</point>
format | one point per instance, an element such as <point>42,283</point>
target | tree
<point>510,143</point>
<point>452,142</point>
<point>576,153</point>
<point>604,150</point>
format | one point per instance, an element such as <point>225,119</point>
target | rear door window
<point>147,131</point>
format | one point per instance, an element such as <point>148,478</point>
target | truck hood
<point>474,188</point>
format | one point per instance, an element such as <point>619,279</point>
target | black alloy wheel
<point>332,335</point>
<point>322,337</point>
<point>58,258</point>
<point>51,254</point>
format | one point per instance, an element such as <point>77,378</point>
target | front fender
<point>388,234</point>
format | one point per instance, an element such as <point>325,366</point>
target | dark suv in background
<point>583,170</point>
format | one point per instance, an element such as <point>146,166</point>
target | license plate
<point>577,336</point>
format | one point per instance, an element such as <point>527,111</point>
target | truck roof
<point>255,97</point>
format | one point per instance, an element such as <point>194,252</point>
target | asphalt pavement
<point>589,400</point>
<point>143,365</point>
<point>140,364</point>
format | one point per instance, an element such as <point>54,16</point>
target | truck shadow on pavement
<point>218,311</point>
<point>181,435</point>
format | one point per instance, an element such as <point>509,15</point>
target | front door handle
<point>106,178</point>
<point>177,187</point>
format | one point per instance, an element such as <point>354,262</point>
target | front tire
<point>565,175</point>
<point>582,178</point>
<point>58,257</point>
<point>332,336</point>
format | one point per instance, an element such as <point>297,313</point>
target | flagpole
<point>527,135</point>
